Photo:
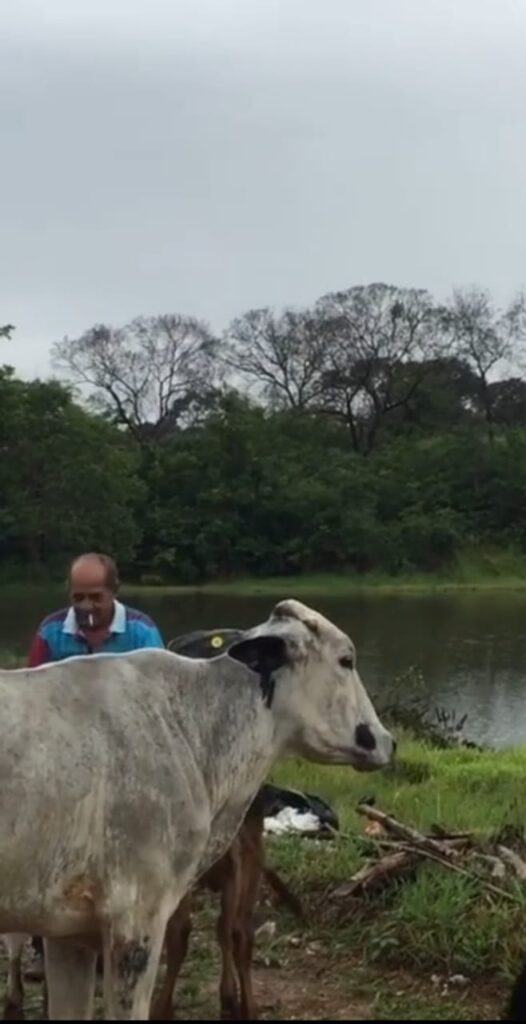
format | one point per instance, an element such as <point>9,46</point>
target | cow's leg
<point>70,976</point>
<point>14,996</point>
<point>177,937</point>
<point>132,951</point>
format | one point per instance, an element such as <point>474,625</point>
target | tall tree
<point>508,401</point>
<point>485,336</point>
<point>149,375</point>
<point>370,333</point>
<point>445,398</point>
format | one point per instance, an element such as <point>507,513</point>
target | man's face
<point>90,595</point>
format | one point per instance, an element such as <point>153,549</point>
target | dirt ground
<point>324,990</point>
<point>298,976</point>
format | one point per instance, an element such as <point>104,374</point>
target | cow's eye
<point>347,662</point>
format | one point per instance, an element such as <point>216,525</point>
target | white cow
<point>124,777</point>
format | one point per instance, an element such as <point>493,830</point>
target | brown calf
<point>237,876</point>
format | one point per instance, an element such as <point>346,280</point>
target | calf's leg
<point>70,976</point>
<point>230,896</point>
<point>14,996</point>
<point>177,937</point>
<point>243,932</point>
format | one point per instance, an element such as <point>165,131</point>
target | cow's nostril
<point>364,737</point>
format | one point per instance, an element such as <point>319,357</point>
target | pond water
<point>470,648</point>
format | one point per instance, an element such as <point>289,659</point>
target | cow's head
<point>307,670</point>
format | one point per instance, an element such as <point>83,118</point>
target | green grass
<point>437,920</point>
<point>477,570</point>
<point>485,575</point>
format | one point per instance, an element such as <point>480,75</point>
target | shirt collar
<point>117,625</point>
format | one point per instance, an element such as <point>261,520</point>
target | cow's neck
<point>236,737</point>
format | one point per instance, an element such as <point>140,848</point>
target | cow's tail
<point>283,893</point>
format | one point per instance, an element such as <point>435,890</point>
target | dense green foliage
<point>68,480</point>
<point>364,435</point>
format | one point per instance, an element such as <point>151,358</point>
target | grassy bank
<point>477,571</point>
<point>439,922</point>
<point>488,570</point>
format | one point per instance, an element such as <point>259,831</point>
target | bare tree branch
<point>283,356</point>
<point>147,374</point>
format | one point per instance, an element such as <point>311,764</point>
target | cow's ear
<point>260,653</point>
<point>264,655</point>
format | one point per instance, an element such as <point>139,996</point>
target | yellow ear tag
<point>217,641</point>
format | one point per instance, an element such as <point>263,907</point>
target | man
<point>94,622</point>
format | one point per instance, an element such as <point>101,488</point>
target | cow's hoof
<point>230,1009</point>
<point>159,1012</point>
<point>13,1011</point>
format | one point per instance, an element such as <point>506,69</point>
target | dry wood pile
<point>400,849</point>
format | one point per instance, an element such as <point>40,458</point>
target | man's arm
<point>39,652</point>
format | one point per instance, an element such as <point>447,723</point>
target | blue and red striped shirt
<point>58,636</point>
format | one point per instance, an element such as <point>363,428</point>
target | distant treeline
<point>375,431</point>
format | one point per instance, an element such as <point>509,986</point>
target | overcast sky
<point>209,156</point>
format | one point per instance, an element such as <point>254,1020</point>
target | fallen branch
<point>410,846</point>
<point>458,845</point>
<point>498,868</point>
<point>407,834</point>
<point>408,849</point>
<point>468,874</point>
<point>283,893</point>
<point>438,832</point>
<point>371,874</point>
